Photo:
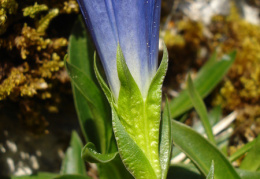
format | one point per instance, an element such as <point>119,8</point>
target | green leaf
<point>244,174</point>
<point>242,150</point>
<point>211,171</point>
<point>91,105</point>
<point>95,100</point>
<point>215,115</point>
<point>207,79</point>
<point>252,160</point>
<point>40,175</point>
<point>202,152</point>
<point>181,171</point>
<point>90,154</point>
<point>72,177</point>
<point>72,162</point>
<point>140,118</point>
<point>132,156</point>
<point>166,141</point>
<point>81,49</point>
<point>189,171</point>
<point>201,109</point>
<point>114,168</point>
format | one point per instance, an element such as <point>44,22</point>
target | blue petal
<point>138,31</point>
<point>132,23</point>
<point>154,26</point>
<point>133,37</point>
<point>98,15</point>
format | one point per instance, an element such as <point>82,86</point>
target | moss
<point>188,40</point>
<point>32,11</point>
<point>184,39</point>
<point>7,7</point>
<point>190,45</point>
<point>43,54</point>
<point>241,86</point>
<point>33,43</point>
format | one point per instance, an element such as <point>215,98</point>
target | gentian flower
<point>134,25</point>
<point>135,81</point>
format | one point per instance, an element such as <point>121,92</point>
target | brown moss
<point>184,40</point>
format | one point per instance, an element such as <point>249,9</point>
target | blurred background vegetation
<point>34,38</point>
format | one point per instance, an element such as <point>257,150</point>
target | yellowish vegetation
<point>241,87</point>
<point>31,57</point>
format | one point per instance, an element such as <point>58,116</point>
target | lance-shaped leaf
<point>93,96</point>
<point>245,174</point>
<point>95,124</point>
<point>241,151</point>
<point>180,171</point>
<point>202,152</point>
<point>252,160</point>
<point>133,157</point>
<point>165,141</point>
<point>207,79</point>
<point>80,55</point>
<point>201,109</point>
<point>90,154</point>
<point>72,162</point>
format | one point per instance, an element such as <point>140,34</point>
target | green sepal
<point>211,171</point>
<point>140,113</point>
<point>132,156</point>
<point>165,141</point>
<point>130,101</point>
<point>101,81</point>
<point>90,154</point>
<point>153,106</point>
<point>131,109</point>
